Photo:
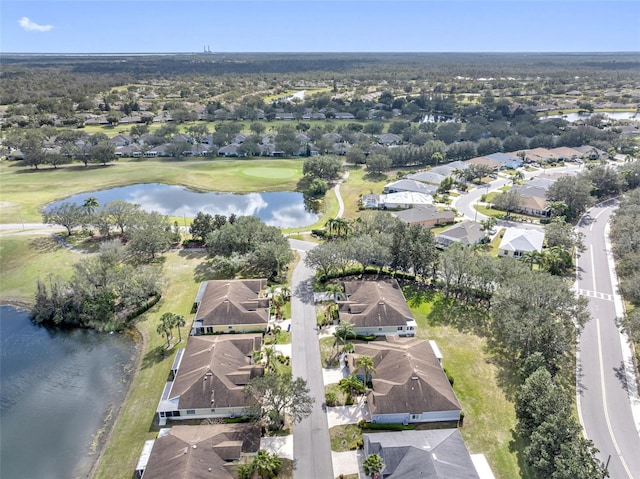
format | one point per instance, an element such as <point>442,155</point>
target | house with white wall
<point>409,383</point>
<point>209,377</point>
<point>376,307</point>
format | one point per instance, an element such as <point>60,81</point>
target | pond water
<point>58,386</point>
<point>613,115</point>
<point>282,209</point>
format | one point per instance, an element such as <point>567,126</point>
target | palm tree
<point>168,322</point>
<point>179,322</point>
<point>91,204</point>
<point>274,334</point>
<point>373,465</point>
<point>532,257</point>
<point>341,227</point>
<point>343,332</point>
<point>351,385</point>
<point>331,224</point>
<point>269,353</point>
<point>266,464</point>
<point>278,302</point>
<point>163,329</point>
<point>517,177</point>
<point>366,363</point>
<point>285,291</point>
<point>334,289</point>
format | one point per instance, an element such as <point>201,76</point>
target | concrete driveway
<point>282,446</point>
<point>345,463</point>
<point>340,415</point>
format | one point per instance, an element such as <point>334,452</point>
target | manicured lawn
<point>345,438</point>
<point>341,397</point>
<point>137,419</point>
<point>482,386</point>
<point>279,173</point>
<point>24,259</point>
<point>328,351</point>
<point>359,184</point>
<point>25,191</point>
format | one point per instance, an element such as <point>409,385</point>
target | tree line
<point>531,317</point>
<point>106,291</point>
<point>625,237</point>
<point>147,234</point>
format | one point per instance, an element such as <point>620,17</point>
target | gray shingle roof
<point>437,454</point>
<point>220,363</point>
<point>408,377</point>
<point>374,304</point>
<point>200,452</point>
<point>226,302</point>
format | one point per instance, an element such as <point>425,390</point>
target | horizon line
<point>206,53</point>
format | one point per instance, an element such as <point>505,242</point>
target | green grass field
<point>482,386</point>
<point>24,259</point>
<point>25,191</point>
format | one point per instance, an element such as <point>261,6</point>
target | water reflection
<point>612,115</point>
<point>282,209</point>
<point>57,387</point>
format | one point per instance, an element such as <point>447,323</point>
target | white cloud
<point>30,26</point>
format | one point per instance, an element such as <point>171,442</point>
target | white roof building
<point>517,241</point>
<point>405,199</point>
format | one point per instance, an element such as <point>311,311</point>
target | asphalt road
<point>311,445</point>
<point>606,387</point>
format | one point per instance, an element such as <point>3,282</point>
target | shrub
<point>144,308</point>
<point>331,398</point>
<point>449,377</point>
<point>374,426</point>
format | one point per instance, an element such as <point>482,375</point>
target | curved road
<point>607,395</point>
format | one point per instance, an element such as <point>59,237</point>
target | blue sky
<point>150,26</point>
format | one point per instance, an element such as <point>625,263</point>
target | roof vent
<point>194,446</point>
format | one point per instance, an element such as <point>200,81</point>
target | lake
<point>612,115</point>
<point>281,209</point>
<point>58,386</point>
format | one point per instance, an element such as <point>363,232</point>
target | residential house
<point>448,169</point>
<point>127,151</point>
<point>409,383</point>
<point>427,216</point>
<point>483,161</point>
<point>284,115</point>
<point>466,233</point>
<point>409,186</point>
<point>341,115</point>
<point>224,306</point>
<point>390,139</point>
<point>427,177</point>
<point>404,199</point>
<point>121,140</point>
<point>197,451</point>
<point>564,153</point>
<point>209,376</point>
<point>507,160</point>
<point>376,307</point>
<point>540,155</point>
<point>518,241</point>
<point>229,150</point>
<point>437,454</point>
<point>534,206</point>
<point>590,153</point>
